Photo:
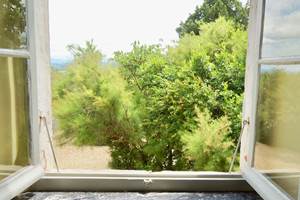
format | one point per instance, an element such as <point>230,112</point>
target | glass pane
<point>277,127</point>
<point>14,120</point>
<point>12,24</point>
<point>281,29</point>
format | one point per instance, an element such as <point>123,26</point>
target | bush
<point>207,146</point>
<point>143,107</point>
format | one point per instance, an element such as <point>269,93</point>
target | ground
<point>85,157</point>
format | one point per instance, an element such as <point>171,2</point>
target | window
<point>140,108</point>
<point>19,153</point>
<point>277,124</point>
<point>14,116</point>
<point>269,160</point>
<point>13,24</point>
<point>270,152</point>
<point>281,35</point>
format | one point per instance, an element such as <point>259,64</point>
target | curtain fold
<point>14,112</point>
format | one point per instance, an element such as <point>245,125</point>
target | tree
<point>145,109</point>
<point>211,10</point>
<point>13,24</point>
<point>207,146</point>
<point>93,107</point>
<point>218,57</point>
<point>168,94</point>
<point>204,71</point>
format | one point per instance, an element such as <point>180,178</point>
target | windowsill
<point>139,173</point>
<point>142,181</point>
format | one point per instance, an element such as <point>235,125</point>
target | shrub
<point>207,146</point>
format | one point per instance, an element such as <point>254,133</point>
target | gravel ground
<point>85,157</point>
<point>137,196</point>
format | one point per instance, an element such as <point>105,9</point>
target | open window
<point>21,51</point>
<point>269,152</point>
<point>270,145</point>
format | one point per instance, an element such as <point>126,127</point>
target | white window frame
<point>37,54</point>
<point>138,180</point>
<point>259,182</point>
<point>112,180</point>
<point>24,178</point>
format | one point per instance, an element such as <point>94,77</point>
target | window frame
<point>116,180</point>
<point>141,181</point>
<point>112,180</point>
<point>257,180</point>
<point>20,180</point>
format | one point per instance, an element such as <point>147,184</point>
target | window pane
<point>14,120</point>
<point>12,24</point>
<point>277,127</point>
<point>281,29</point>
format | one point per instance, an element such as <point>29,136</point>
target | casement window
<point>21,52</point>
<point>269,152</point>
<point>270,147</point>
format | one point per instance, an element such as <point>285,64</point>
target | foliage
<point>93,106</point>
<point>12,23</point>
<point>205,71</point>
<point>207,146</point>
<point>143,107</point>
<point>211,10</point>
<point>217,56</point>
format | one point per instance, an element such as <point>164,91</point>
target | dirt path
<point>86,157</point>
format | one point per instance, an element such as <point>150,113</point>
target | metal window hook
<point>245,123</point>
<point>43,119</point>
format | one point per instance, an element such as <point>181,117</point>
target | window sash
<point>280,61</point>
<point>14,53</point>
<point>262,184</point>
<point>25,177</point>
<point>20,181</point>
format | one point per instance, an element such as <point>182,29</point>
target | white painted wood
<point>280,61</point>
<point>19,181</point>
<point>259,182</point>
<point>43,70</point>
<point>251,81</point>
<point>39,93</point>
<point>263,186</point>
<point>33,93</point>
<point>40,90</point>
<point>14,53</point>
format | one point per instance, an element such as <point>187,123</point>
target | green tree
<point>12,23</point>
<point>203,71</point>
<point>168,94</point>
<point>211,10</point>
<point>218,57</point>
<point>207,146</point>
<point>93,107</point>
<point>145,108</point>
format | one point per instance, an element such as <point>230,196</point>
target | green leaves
<point>204,71</point>
<point>207,146</point>
<point>210,11</point>
<point>144,109</point>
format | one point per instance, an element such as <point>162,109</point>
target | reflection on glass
<point>277,146</point>
<point>14,120</point>
<point>12,24</point>
<point>281,36</point>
